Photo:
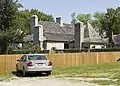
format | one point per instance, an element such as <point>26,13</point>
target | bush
<point>9,49</point>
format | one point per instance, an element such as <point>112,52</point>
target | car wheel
<point>48,73</point>
<point>17,70</point>
<point>24,73</point>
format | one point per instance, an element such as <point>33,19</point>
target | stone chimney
<point>36,30</point>
<point>59,20</point>
<point>79,35</point>
<point>33,22</point>
<point>38,35</point>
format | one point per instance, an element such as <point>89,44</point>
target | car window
<point>23,58</point>
<point>37,57</point>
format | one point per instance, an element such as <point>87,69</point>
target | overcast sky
<point>66,7</point>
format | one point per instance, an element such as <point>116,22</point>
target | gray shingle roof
<point>68,28</point>
<point>53,31</point>
<point>90,35</point>
<point>55,37</point>
<point>51,27</point>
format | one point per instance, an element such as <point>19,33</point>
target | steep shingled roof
<point>68,28</point>
<point>51,27</point>
<point>90,35</point>
<point>54,32</point>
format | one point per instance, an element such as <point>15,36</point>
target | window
<point>23,58</point>
<point>66,46</point>
<point>37,57</point>
<point>103,46</point>
<point>93,47</point>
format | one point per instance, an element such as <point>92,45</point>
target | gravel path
<point>44,81</point>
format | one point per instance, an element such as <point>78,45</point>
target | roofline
<point>55,41</point>
<point>33,54</point>
<point>94,43</point>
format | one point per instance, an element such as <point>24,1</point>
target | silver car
<point>32,63</point>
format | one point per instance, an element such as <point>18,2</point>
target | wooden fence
<point>7,62</point>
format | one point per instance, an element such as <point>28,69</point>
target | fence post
<point>97,58</point>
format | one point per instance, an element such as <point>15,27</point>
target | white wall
<point>57,45</point>
<point>96,46</point>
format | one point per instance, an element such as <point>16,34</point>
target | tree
<point>31,48</point>
<point>117,21</point>
<point>8,9</point>
<point>7,12</point>
<point>109,23</point>
<point>97,19</point>
<point>23,19</point>
<point>96,22</point>
<point>84,18</point>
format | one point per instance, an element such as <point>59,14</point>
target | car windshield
<point>37,57</point>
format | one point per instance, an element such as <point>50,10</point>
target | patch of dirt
<point>86,79</point>
<point>44,81</point>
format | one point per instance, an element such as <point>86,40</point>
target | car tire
<point>24,73</point>
<point>48,73</point>
<point>17,70</point>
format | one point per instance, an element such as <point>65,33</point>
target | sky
<point>64,8</point>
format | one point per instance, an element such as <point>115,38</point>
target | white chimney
<point>59,20</point>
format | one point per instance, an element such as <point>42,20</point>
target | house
<point>64,36</point>
<point>87,37</point>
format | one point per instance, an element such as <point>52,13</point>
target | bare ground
<point>44,81</point>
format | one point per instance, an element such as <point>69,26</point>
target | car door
<point>19,63</point>
<point>22,62</point>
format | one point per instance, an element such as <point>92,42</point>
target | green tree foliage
<point>7,12</point>
<point>31,48</point>
<point>108,25</point>
<point>27,47</point>
<point>84,18</point>
<point>96,22</point>
<point>23,18</point>
<point>111,22</point>
<point>8,9</point>
<point>117,21</point>
<point>15,24</point>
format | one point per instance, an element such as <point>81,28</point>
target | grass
<point>6,76</point>
<point>104,70</point>
<point>104,82</point>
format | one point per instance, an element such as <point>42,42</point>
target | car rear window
<point>37,57</point>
